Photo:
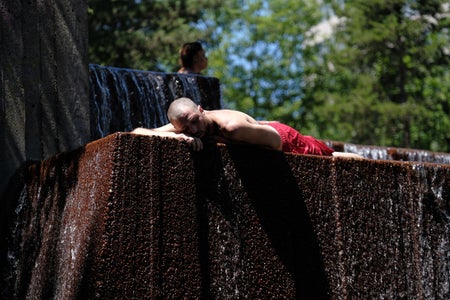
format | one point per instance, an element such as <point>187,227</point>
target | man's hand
<point>194,143</point>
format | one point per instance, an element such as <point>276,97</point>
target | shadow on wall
<point>271,225</point>
<point>284,216</point>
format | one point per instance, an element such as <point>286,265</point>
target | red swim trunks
<point>295,142</point>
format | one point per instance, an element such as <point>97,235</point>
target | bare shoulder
<point>228,116</point>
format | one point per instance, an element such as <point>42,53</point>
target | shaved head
<point>189,118</point>
<point>180,107</point>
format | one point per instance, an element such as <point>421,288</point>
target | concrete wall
<point>43,81</point>
<point>139,217</point>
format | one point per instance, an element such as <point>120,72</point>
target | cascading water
<point>129,216</point>
<point>123,99</point>
<point>135,217</point>
<point>132,216</point>
<point>391,153</point>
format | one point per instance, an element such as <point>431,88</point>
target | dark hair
<point>187,53</point>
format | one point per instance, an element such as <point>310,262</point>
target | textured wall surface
<point>43,81</point>
<point>138,217</point>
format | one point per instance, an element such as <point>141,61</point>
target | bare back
<point>239,127</point>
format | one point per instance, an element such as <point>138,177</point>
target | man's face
<point>192,122</point>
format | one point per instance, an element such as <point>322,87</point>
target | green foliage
<point>144,34</point>
<point>389,76</point>
<point>259,58</point>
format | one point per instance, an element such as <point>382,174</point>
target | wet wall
<point>140,217</point>
<point>44,83</point>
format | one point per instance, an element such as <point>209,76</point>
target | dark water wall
<point>136,217</point>
<point>43,81</point>
<point>123,99</point>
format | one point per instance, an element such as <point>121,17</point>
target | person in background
<point>193,124</point>
<point>192,58</point>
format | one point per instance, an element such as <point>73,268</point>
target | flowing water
<point>123,99</point>
<point>122,206</point>
<point>392,153</point>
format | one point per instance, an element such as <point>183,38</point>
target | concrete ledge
<point>132,216</point>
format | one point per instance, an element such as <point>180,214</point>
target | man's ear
<point>200,109</point>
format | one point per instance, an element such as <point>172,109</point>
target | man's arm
<point>169,131</point>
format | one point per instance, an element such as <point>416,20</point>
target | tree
<point>144,34</point>
<point>384,78</point>
<point>380,77</point>
<point>259,57</point>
